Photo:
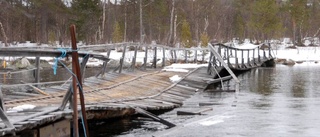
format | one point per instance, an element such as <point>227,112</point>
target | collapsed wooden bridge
<point>117,94</point>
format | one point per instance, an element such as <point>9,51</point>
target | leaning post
<point>37,72</point>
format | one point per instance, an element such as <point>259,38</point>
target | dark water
<point>273,102</point>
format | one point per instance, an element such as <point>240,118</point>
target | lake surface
<point>283,101</point>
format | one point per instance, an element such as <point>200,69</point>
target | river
<point>281,101</point>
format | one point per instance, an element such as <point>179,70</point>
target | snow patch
<point>175,78</point>
<point>21,108</point>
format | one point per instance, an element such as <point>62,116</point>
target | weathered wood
<point>134,58</point>
<point>145,59</point>
<point>155,58</point>
<point>154,117</point>
<point>122,58</point>
<point>37,71</point>
<point>37,89</point>
<point>199,112</point>
<point>163,57</point>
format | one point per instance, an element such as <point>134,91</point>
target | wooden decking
<point>114,95</point>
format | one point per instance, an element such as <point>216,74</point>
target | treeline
<point>187,22</point>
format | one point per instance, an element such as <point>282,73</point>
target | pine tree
<point>117,35</point>
<point>204,40</point>
<point>264,19</point>
<point>87,14</point>
<point>186,39</point>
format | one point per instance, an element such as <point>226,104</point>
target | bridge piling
<point>236,57</point>
<point>259,59</point>
<point>242,60</point>
<point>248,58</point>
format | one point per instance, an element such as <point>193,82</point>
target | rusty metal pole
<point>77,72</point>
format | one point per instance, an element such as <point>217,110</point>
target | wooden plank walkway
<point>108,97</point>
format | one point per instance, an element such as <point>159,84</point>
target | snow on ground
<point>21,108</point>
<point>175,78</point>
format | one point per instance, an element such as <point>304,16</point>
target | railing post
<point>122,58</point>
<point>175,56</point>
<point>236,57</point>
<point>254,60</point>
<point>163,57</point>
<point>219,51</point>
<point>209,63</point>
<point>264,54</point>
<point>259,60</point>
<point>185,56</point>
<point>155,58</point>
<point>37,71</point>
<point>269,50</point>
<point>248,57</point>
<point>228,57</point>
<point>134,58</point>
<point>195,56</point>
<point>242,61</point>
<point>145,58</point>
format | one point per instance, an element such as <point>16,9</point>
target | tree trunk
<point>170,40</point>
<point>103,20</point>
<point>125,21</point>
<point>5,39</point>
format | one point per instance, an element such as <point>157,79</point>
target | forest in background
<point>168,22</point>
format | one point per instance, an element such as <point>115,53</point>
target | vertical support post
<point>122,58</point>
<point>248,57</point>
<point>145,58</point>
<point>37,74</point>
<point>254,60</point>
<point>105,63</point>
<point>264,54</point>
<point>236,57</point>
<point>77,80</point>
<point>195,56</point>
<point>155,58</point>
<point>203,53</point>
<point>242,58</point>
<point>209,63</point>
<point>185,56</point>
<point>259,59</point>
<point>175,56</point>
<point>134,58</point>
<point>163,56</point>
<point>219,51</point>
<point>269,50</point>
<point>228,56</point>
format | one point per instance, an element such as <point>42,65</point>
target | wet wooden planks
<point>116,92</point>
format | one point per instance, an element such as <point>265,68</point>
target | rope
<point>81,116</point>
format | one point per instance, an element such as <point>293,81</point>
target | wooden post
<point>122,58</point>
<point>195,56</point>
<point>185,56</point>
<point>134,58</point>
<point>228,56</point>
<point>254,60</point>
<point>242,61</point>
<point>264,54</point>
<point>77,80</point>
<point>155,58</point>
<point>163,57</point>
<point>236,57</point>
<point>175,56</point>
<point>269,50</point>
<point>105,63</point>
<point>37,71</point>
<point>202,60</point>
<point>219,51</point>
<point>145,58</point>
<point>259,60</point>
<point>210,63</point>
<point>248,57</point>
